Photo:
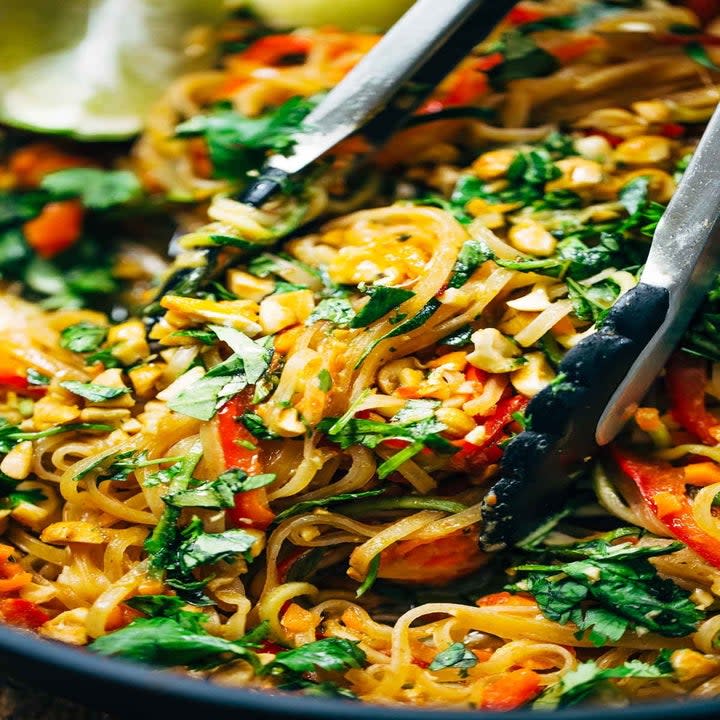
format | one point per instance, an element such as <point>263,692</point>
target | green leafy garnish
<point>325,380</point>
<point>456,656</point>
<point>522,58</point>
<point>94,392</point>
<point>370,577</point>
<point>698,53</point>
<point>418,320</point>
<point>248,363</point>
<point>309,505</point>
<point>238,144</point>
<point>11,495</point>
<point>83,337</point>
<point>336,310</point>
<point>11,435</point>
<point>97,189</point>
<point>370,433</point>
<point>330,653</point>
<point>588,678</point>
<point>472,255</point>
<point>172,636</point>
<point>221,492</point>
<point>607,588</point>
<point>382,300</point>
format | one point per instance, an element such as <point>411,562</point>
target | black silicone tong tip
<point>270,181</point>
<point>540,464</point>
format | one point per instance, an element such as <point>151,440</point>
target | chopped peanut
<point>128,341</point>
<point>532,238</point>
<point>17,463</point>
<point>493,352</point>
<point>533,376</point>
<point>247,286</point>
<point>144,377</point>
<point>457,422</point>
<point>577,173</point>
<point>644,149</point>
<point>70,531</point>
<point>278,312</point>
<point>494,164</point>
<point>50,411</point>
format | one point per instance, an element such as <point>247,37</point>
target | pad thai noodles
<point>269,473</point>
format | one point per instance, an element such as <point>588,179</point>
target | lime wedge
<point>92,68</point>
<point>347,14</point>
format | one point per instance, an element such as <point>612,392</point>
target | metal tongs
<point>376,99</point>
<point>606,375</point>
<point>380,94</point>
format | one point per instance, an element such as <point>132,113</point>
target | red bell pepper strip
<point>22,613</point>
<point>272,48</point>
<point>662,487</point>
<point>705,10</point>
<point>488,452</point>
<point>251,507</point>
<point>521,15</point>
<point>20,384</point>
<point>686,379</point>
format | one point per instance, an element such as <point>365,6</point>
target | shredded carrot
<point>504,598</point>
<point>55,229</point>
<point>648,419</point>
<point>511,690</point>
<point>12,576</point>
<point>666,503</point>
<point>31,163</point>
<point>702,473</point>
<point>297,619</point>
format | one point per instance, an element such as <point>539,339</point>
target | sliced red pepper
<point>662,487</point>
<point>705,10</point>
<point>251,507</point>
<point>273,48</point>
<point>20,384</point>
<point>567,52</point>
<point>22,613</point>
<point>686,378</point>
<point>521,15</point>
<point>488,452</point>
<point>672,130</point>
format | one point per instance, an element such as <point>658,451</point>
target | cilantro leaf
<point>588,678</point>
<point>10,435</point>
<point>94,392</point>
<point>168,642</point>
<point>699,54</point>
<point>472,255</point>
<point>246,365</point>
<point>307,505</point>
<point>383,299</point>
<point>221,492</point>
<point>257,427</point>
<point>202,548</point>
<point>456,656</point>
<point>336,310</point>
<point>608,588</point>
<point>97,189</point>
<point>12,494</point>
<point>83,337</point>
<point>522,58</point>
<point>238,144</point>
<point>327,654</point>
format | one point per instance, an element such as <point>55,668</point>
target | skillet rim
<point>67,671</point>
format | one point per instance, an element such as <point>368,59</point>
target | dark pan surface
<point>133,691</point>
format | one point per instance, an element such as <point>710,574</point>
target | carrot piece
<point>702,473</point>
<point>511,690</point>
<point>55,229</point>
<point>33,162</point>
<point>504,598</point>
<point>297,619</point>
<point>22,613</point>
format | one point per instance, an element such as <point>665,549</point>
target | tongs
<point>376,99</point>
<point>603,378</point>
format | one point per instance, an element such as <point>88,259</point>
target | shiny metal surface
<point>424,35</point>
<point>684,258</point>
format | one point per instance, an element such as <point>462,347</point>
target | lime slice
<point>346,14</point>
<point>92,68</point>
